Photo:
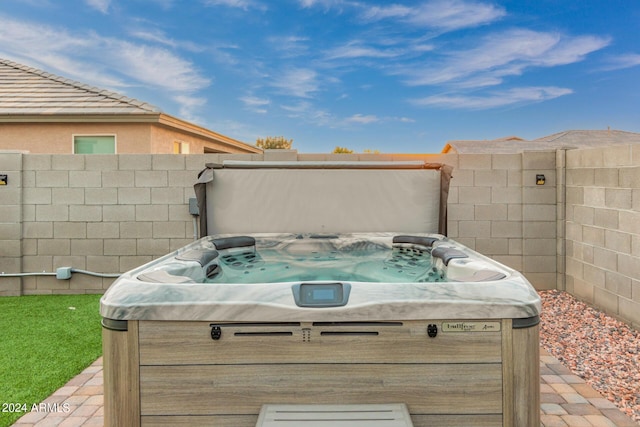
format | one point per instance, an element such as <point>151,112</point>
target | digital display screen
<point>321,294</point>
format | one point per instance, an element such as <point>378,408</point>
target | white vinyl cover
<point>322,200</point>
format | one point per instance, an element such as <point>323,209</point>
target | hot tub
<point>209,334</point>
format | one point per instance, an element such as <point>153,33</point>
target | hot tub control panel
<point>334,294</point>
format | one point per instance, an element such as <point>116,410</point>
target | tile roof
<point>29,91</point>
<point>590,138</point>
<point>566,139</point>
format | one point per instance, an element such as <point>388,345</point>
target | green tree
<point>342,150</point>
<point>274,143</point>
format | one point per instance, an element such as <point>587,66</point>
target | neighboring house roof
<point>29,91</point>
<point>481,146</point>
<point>31,95</point>
<point>566,139</point>
<point>591,138</point>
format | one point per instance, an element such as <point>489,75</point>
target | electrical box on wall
<point>3,179</point>
<point>193,206</point>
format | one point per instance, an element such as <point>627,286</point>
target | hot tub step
<point>388,415</point>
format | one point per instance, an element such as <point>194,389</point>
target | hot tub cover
<point>323,197</point>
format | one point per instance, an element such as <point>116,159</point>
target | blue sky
<point>402,76</point>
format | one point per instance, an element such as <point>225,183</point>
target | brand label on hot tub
<point>470,326</point>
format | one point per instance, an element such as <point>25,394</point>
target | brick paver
<point>566,400</point>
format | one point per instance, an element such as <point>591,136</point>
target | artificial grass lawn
<point>45,341</point>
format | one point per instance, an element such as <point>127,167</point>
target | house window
<point>180,147</point>
<point>94,144</point>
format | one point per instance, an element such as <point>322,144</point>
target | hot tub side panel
<point>526,376</point>
<point>208,373</point>
<point>121,373</point>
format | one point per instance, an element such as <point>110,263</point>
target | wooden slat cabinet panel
<point>167,343</point>
<point>243,389</point>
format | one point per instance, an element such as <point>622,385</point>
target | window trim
<point>74,135</point>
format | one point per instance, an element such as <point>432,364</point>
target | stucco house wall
<point>57,138</point>
<point>131,138</point>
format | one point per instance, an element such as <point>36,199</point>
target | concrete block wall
<point>603,229</point>
<point>11,221</point>
<point>101,213</point>
<point>497,208</point>
<point>111,213</point>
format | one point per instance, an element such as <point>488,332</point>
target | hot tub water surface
<point>317,258</point>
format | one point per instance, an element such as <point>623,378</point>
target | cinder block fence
<point>579,230</point>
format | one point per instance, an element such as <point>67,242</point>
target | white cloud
<point>190,106</point>
<point>496,54</point>
<point>503,54</point>
<point>160,37</point>
<point>309,113</point>
<point>377,13</point>
<point>303,109</point>
<point>106,62</point>
<point>227,54</point>
<point>238,4</point>
<point>620,62</point>
<point>255,104</point>
<point>365,119</point>
<point>101,6</point>
<point>299,82</point>
<point>154,66</point>
<point>438,14</point>
<point>326,4</point>
<point>254,101</point>
<point>572,49</point>
<point>153,36</point>
<point>289,46</point>
<point>455,14</point>
<point>357,49</point>
<point>54,49</point>
<point>446,15</point>
<point>297,108</point>
<point>493,100</point>
<point>362,119</point>
<point>191,101</point>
